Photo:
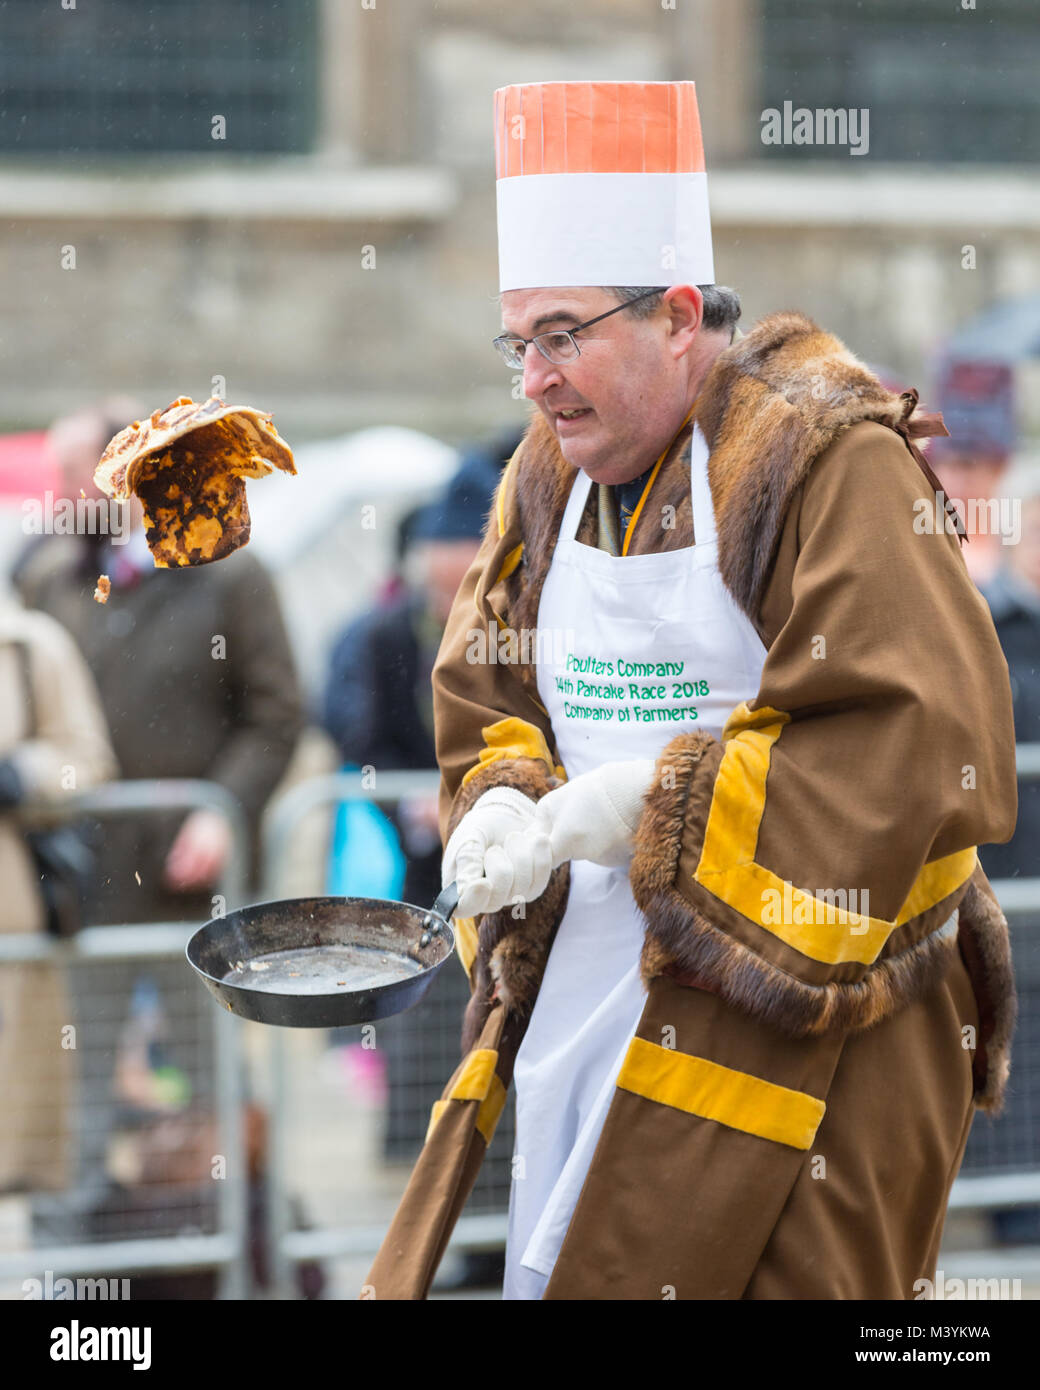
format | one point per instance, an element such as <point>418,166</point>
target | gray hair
<point>721,304</point>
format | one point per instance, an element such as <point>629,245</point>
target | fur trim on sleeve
<point>528,775</point>
<point>511,949</point>
<point>986,947</point>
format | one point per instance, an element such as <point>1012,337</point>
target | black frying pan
<point>323,962</point>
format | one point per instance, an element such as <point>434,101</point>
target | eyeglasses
<point>559,344</point>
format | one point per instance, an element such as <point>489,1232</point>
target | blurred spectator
<point>196,677</point>
<point>71,449</point>
<point>52,741</point>
<point>379,702</point>
<point>1013,595</point>
<point>197,680</point>
<point>395,585</point>
<point>977,403</point>
<point>379,709</point>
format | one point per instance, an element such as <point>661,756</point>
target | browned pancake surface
<point>187,464</point>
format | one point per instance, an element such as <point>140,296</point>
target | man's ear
<point>684,305</point>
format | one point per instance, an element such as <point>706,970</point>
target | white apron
<point>623,613</point>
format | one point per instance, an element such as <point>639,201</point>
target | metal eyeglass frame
<point>505,342</point>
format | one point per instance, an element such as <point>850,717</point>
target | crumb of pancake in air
<point>188,465</point>
<point>103,589</point>
<point>138,877</point>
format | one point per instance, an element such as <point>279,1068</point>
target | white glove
<point>595,815</point>
<point>496,853</point>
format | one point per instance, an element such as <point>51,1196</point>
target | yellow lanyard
<point>630,528</point>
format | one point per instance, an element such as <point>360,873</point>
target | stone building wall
<point>357,285</point>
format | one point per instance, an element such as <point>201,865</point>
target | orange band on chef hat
<point>598,128</point>
<point>601,183</point>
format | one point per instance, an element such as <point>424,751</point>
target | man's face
<point>630,383</point>
<point>445,565</point>
<point>76,444</point>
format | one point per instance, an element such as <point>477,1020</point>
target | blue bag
<point>365,858</point>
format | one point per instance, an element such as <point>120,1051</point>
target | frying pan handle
<point>447,901</point>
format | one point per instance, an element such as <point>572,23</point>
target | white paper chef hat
<point>601,183</point>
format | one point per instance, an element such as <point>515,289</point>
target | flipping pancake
<point>188,464</point>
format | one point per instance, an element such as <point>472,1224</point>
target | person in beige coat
<point>53,743</point>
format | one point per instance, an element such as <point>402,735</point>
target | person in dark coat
<point>197,680</point>
<point>379,710</point>
<point>1013,595</point>
<point>378,700</point>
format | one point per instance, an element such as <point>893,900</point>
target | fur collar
<point>769,406</point>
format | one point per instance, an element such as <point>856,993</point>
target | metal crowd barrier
<point>227,1248</point>
<point>487,1230</point>
<point>289,1247</point>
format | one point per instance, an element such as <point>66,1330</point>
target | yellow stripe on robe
<point>475,1078</point>
<point>727,867</point>
<point>478,1080</point>
<point>491,1109</point>
<point>512,738</point>
<point>501,505</point>
<point>732,1098</point>
<point>465,929</point>
<point>509,564</point>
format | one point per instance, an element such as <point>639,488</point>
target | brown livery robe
<point>795,1104</point>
